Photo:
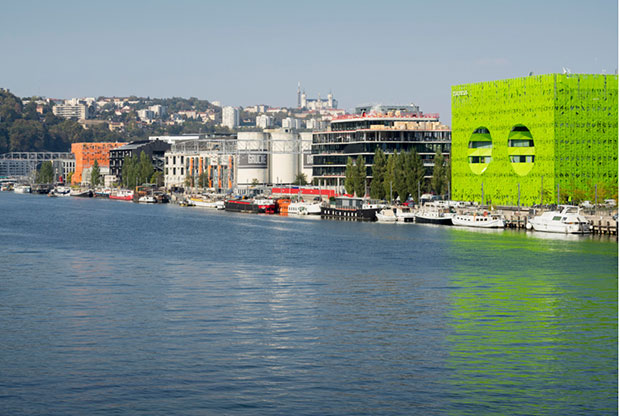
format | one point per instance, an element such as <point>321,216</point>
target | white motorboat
<point>567,220</point>
<point>479,220</point>
<point>206,203</point>
<point>386,215</point>
<point>304,208</point>
<point>404,214</point>
<point>22,189</point>
<point>60,191</point>
<point>147,199</point>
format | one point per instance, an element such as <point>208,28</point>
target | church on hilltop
<point>305,103</point>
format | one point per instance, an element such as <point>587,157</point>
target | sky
<point>255,52</point>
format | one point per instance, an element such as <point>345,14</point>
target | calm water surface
<point>109,307</point>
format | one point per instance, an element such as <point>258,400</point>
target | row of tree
<point>137,171</point>
<point>396,175</point>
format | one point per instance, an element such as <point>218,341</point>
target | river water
<point>109,307</point>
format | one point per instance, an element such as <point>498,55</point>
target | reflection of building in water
<point>530,331</point>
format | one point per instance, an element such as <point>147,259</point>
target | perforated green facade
<point>545,131</point>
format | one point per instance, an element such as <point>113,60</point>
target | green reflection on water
<point>534,324</point>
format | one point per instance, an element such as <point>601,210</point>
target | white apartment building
<point>230,117</point>
<point>264,121</point>
<point>146,114</point>
<point>78,111</point>
<point>292,123</point>
<point>158,110</point>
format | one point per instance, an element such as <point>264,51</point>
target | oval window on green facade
<point>521,149</point>
<point>480,148</point>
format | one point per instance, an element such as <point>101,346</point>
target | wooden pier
<point>604,227</point>
<point>517,221</point>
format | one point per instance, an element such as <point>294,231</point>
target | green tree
<point>359,177</point>
<point>203,180</point>
<point>301,179</point>
<point>415,173</point>
<point>26,136</point>
<point>349,173</point>
<point>145,169</point>
<point>95,174</point>
<point>157,178</point>
<point>388,181</point>
<point>400,180</point>
<point>255,182</point>
<point>377,190</point>
<point>130,172</point>
<point>46,173</point>
<point>438,181</point>
<point>189,181</point>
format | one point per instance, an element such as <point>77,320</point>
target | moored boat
<point>387,215</point>
<point>479,220</point>
<point>60,191</point>
<point>567,220</point>
<point>122,195</point>
<point>304,208</point>
<point>81,193</point>
<point>433,216</point>
<point>266,206</point>
<point>205,203</point>
<point>103,193</point>
<point>351,209</point>
<point>147,199</point>
<point>404,214</point>
<point>22,189</point>
<point>240,205</point>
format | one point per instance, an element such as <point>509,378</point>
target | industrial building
<point>273,156</point>
<point>354,135</point>
<point>535,139</point>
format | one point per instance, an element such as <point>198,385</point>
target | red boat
<point>122,195</point>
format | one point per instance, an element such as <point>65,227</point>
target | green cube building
<point>520,141</point>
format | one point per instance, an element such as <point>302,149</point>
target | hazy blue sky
<point>250,52</point>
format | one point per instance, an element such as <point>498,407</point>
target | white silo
<point>284,157</point>
<point>252,163</point>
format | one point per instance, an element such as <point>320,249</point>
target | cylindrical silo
<point>252,164</point>
<point>284,157</point>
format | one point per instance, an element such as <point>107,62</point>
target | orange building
<point>87,153</point>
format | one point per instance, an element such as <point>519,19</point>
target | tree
<point>145,169</point>
<point>388,182</point>
<point>377,190</point>
<point>349,184</point>
<point>157,178</point>
<point>95,174</point>
<point>255,182</point>
<point>301,179</point>
<point>400,180</point>
<point>203,180</point>
<point>189,181</point>
<point>415,173</point>
<point>438,182</point>
<point>46,173</point>
<point>359,178</point>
